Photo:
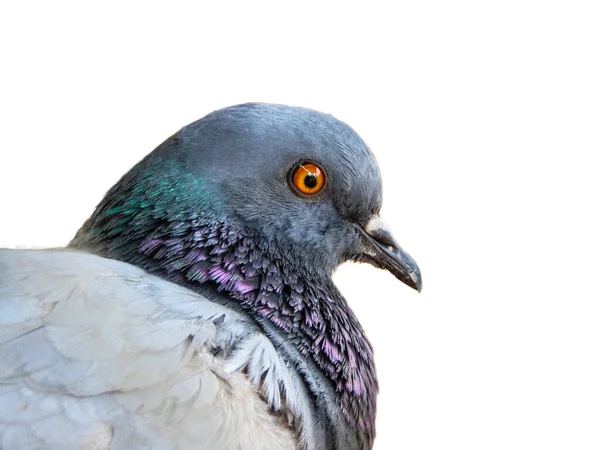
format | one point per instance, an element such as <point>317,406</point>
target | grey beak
<point>383,251</point>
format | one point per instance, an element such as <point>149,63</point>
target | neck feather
<point>308,309</point>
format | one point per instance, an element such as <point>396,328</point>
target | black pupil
<point>310,180</point>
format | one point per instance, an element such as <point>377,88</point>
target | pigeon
<point>195,308</point>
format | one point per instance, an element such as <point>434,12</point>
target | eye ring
<point>308,179</point>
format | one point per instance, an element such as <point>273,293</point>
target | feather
<point>122,359</point>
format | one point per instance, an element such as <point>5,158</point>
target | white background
<point>485,119</point>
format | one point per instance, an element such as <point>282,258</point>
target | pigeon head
<point>299,180</point>
<point>262,203</point>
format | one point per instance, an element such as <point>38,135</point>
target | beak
<point>382,250</point>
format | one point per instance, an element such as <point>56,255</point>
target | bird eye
<point>309,179</point>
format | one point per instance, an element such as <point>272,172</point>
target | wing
<point>95,353</point>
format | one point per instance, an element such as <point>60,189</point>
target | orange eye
<point>309,179</point>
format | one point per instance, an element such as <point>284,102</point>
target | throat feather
<point>310,311</point>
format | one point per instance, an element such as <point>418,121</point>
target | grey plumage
<point>212,209</point>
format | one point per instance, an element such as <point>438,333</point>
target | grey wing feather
<point>95,353</point>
